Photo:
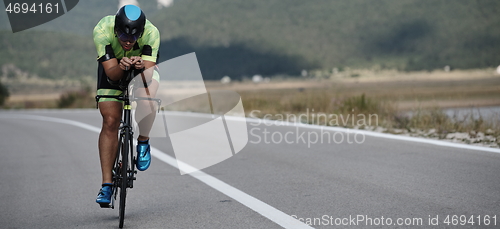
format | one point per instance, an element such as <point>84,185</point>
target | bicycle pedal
<point>105,205</point>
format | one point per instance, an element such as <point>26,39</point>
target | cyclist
<point>124,41</point>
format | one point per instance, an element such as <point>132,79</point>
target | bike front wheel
<point>125,148</point>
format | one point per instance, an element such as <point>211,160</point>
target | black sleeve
<point>147,50</point>
<point>110,54</point>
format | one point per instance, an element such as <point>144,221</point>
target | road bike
<point>124,170</point>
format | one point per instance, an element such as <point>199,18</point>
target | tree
<point>4,94</point>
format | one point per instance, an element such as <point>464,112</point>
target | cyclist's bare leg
<point>108,138</point>
<point>146,110</point>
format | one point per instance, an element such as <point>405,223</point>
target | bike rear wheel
<point>124,175</point>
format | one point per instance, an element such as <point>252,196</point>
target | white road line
<point>346,130</point>
<point>251,202</point>
<point>381,135</point>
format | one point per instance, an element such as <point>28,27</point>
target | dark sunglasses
<point>125,37</point>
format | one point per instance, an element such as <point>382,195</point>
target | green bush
<point>76,99</point>
<point>359,104</point>
<point>4,94</point>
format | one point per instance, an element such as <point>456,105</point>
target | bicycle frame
<point>124,167</point>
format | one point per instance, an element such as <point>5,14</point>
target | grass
<point>73,98</point>
<point>322,108</point>
<point>409,105</point>
<point>76,99</point>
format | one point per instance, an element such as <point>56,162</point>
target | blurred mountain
<point>408,34</point>
<point>82,19</point>
<point>238,38</point>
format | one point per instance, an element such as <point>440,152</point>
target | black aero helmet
<point>130,21</point>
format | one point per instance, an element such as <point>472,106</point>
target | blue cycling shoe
<point>104,196</point>
<point>143,155</point>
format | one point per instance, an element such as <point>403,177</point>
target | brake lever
<point>159,105</point>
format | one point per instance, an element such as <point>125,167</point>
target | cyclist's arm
<point>148,70</point>
<point>113,69</point>
<point>103,34</point>
<point>150,51</point>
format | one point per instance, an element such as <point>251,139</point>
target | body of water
<point>487,113</point>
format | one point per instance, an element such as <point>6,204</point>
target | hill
<point>47,55</point>
<point>407,35</point>
<point>241,38</point>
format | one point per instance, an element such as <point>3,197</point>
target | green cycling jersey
<point>104,35</point>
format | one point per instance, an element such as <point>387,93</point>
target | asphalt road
<point>50,176</point>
